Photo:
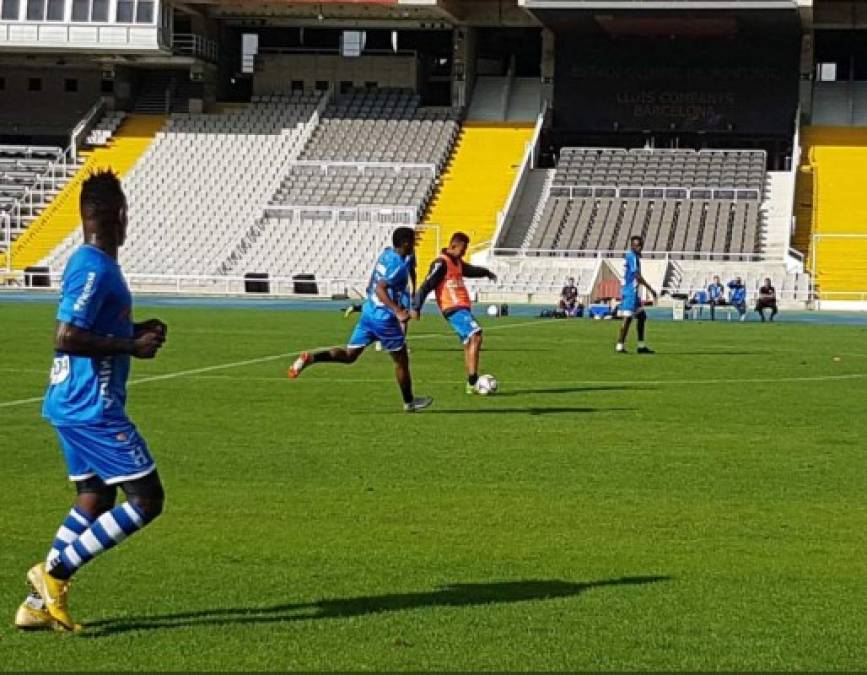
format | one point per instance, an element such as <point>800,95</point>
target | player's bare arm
<point>382,294</point>
<point>650,289</point>
<point>73,340</point>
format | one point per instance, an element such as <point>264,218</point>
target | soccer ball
<point>493,311</point>
<point>487,385</point>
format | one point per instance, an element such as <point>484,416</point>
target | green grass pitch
<point>702,509</point>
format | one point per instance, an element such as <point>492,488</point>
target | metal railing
<point>83,127</point>
<point>327,166</point>
<point>375,214</point>
<point>193,44</point>
<point>527,163</point>
<point>652,192</point>
<point>610,253</point>
<point>7,239</point>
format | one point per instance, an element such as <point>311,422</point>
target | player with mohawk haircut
<point>85,402</point>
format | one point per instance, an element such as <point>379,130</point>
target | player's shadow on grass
<point>455,595</point>
<point>570,390</point>
<point>529,410</point>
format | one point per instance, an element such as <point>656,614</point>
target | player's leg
<point>120,456</point>
<point>144,503</point>
<point>93,499</point>
<point>390,334</point>
<point>469,332</point>
<point>774,311</point>
<point>472,354</point>
<point>338,355</point>
<point>640,323</point>
<point>624,332</point>
<point>411,403</point>
<point>362,336</point>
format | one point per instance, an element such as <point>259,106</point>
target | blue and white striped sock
<point>107,531</point>
<point>76,523</point>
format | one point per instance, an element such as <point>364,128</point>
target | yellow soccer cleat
<point>54,593</point>
<point>29,617</point>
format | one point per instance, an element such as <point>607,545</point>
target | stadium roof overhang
<point>361,13</point>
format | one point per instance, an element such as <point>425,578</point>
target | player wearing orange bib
<point>446,280</point>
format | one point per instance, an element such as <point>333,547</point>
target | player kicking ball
<point>85,403</point>
<point>381,319</point>
<point>630,306</point>
<point>446,279</point>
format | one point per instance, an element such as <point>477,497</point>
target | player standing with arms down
<point>446,279</point>
<point>381,320</point>
<point>630,306</point>
<point>85,404</point>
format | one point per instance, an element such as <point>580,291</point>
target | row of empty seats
<point>684,203</point>
<point>688,226</point>
<point>662,168</point>
<point>351,186</point>
<point>104,129</point>
<point>22,167</point>
<point>344,251</point>
<point>365,127</point>
<point>202,184</point>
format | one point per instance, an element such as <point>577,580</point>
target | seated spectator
<point>569,304</point>
<point>738,297</point>
<point>716,295</point>
<point>767,300</point>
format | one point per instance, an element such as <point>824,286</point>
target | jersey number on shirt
<point>60,369</point>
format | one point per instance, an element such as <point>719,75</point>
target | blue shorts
<point>630,305</point>
<point>386,329</point>
<point>405,300</point>
<point>464,324</point>
<point>112,450</point>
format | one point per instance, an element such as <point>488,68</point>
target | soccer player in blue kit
<point>85,401</point>
<point>381,320</point>
<point>630,305</point>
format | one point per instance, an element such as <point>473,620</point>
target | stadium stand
<point>370,164</point>
<point>102,132</point>
<point>685,203</point>
<point>184,220</point>
<point>53,232</point>
<point>23,167</point>
<point>383,125</point>
<point>833,210</point>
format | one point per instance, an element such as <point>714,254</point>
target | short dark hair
<point>402,235</point>
<point>101,197</point>
<point>459,236</point>
<point>636,237</point>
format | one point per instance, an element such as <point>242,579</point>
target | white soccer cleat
<point>418,403</point>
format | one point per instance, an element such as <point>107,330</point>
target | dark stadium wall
<point>743,83</point>
<point>42,104</point>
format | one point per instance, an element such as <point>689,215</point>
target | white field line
<point>273,357</point>
<point>556,383</point>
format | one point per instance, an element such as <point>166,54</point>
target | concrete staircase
<point>475,185</point>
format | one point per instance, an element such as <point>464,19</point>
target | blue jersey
<point>394,270</point>
<point>738,295</point>
<point>715,292</point>
<point>88,390</point>
<point>631,272</point>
